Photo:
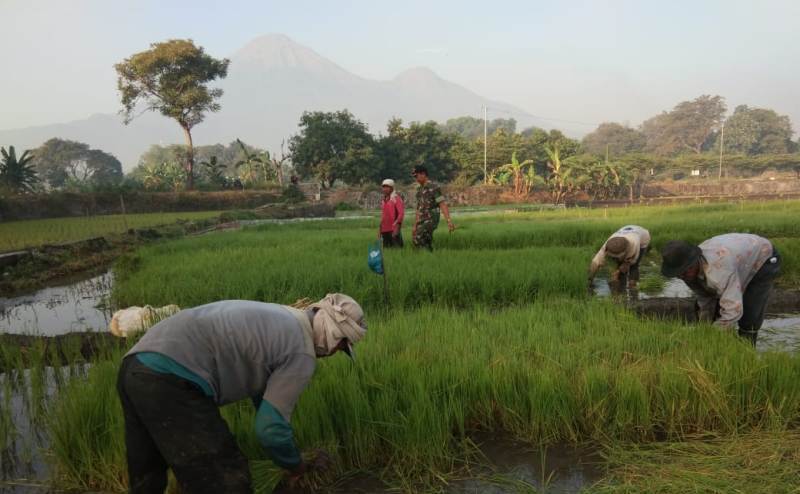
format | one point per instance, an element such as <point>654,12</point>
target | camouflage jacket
<point>428,198</point>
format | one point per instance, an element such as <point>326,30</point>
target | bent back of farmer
<point>626,246</point>
<point>732,276</point>
<point>173,380</point>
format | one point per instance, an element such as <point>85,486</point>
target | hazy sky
<point>588,61</point>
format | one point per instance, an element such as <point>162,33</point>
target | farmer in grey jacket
<point>732,276</point>
<point>173,380</point>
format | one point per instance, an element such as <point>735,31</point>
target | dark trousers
<point>756,296</point>
<point>390,241</point>
<point>171,423</point>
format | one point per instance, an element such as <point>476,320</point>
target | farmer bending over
<point>731,275</point>
<point>429,201</point>
<point>173,380</point>
<point>626,246</point>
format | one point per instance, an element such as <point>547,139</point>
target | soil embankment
<point>781,302</point>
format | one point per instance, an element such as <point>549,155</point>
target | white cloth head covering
<point>388,182</point>
<point>338,317</point>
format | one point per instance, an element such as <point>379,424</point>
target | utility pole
<point>721,144</point>
<point>485,133</point>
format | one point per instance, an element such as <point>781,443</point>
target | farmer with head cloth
<point>626,246</point>
<point>173,380</point>
<point>429,202</point>
<point>732,276</point>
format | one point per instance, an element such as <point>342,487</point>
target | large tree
<point>172,78</point>
<point>60,161</point>
<point>17,174</point>
<point>423,143</point>
<point>334,146</point>
<point>757,131</point>
<point>613,138</point>
<point>686,128</point>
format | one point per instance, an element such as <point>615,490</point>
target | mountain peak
<point>418,74</point>
<point>278,51</point>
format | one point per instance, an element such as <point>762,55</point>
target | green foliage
<point>71,164</point>
<point>754,131</point>
<point>292,194</point>
<point>420,144</point>
<point>686,128</point>
<point>333,146</point>
<point>17,175</point>
<point>172,78</point>
<point>613,138</point>
<point>470,128</point>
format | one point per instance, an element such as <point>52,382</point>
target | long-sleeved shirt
<point>729,263</point>
<point>240,349</point>
<point>393,213</point>
<point>638,238</point>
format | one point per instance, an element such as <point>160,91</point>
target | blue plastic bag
<point>375,257</point>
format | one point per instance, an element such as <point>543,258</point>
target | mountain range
<point>271,81</point>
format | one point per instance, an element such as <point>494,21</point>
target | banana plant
<point>516,171</point>
<point>214,170</point>
<point>558,180</point>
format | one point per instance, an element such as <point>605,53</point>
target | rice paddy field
<point>493,333</point>
<point>16,235</point>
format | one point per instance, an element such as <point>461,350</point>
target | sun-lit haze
<point>584,62</point>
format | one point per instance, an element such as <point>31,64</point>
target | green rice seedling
<point>550,372</point>
<point>86,432</point>
<point>755,462</point>
<point>15,235</point>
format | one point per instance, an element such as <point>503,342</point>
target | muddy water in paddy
<point>505,466</point>
<point>75,307</point>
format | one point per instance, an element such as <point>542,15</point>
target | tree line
<point>173,78</point>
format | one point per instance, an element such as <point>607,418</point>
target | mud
<point>500,465</point>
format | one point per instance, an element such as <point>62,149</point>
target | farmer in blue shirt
<point>174,379</point>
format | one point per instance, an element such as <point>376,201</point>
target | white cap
<point>388,182</point>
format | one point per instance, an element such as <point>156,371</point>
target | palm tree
<point>18,175</point>
<point>516,169</point>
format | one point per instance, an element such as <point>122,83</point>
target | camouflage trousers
<point>423,237</point>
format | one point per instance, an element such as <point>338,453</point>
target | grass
<point>493,259</point>
<point>17,235</point>
<point>756,462</point>
<point>494,331</point>
<point>556,373</point>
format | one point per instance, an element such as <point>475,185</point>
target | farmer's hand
<point>396,231</point>
<point>319,461</point>
<point>623,268</point>
<point>450,225</point>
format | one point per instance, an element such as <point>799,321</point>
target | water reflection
<point>80,306</point>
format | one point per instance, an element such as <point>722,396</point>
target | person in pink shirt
<point>392,215</point>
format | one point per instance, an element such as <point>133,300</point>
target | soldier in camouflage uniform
<point>429,202</point>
